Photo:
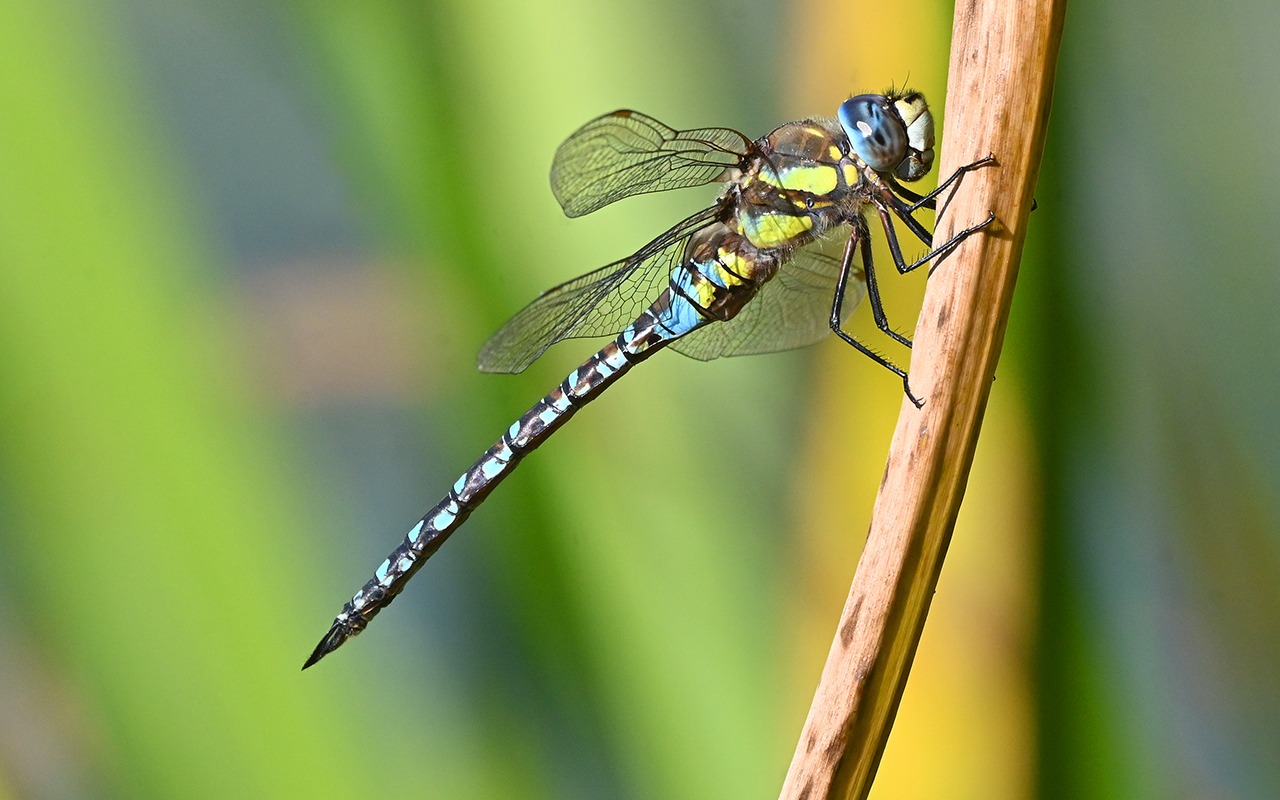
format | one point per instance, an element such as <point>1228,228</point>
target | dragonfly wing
<point>600,303</point>
<point>792,310</point>
<point>627,153</point>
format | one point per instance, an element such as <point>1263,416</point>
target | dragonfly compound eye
<point>877,134</point>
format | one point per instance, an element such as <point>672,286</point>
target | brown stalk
<point>1003,55</point>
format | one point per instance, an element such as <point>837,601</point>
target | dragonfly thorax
<point>802,181</point>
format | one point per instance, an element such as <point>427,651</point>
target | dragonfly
<point>746,275</point>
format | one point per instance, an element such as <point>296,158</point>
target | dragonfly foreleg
<point>930,200</point>
<point>891,189</point>
<point>837,306</point>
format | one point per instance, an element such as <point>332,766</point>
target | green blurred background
<point>248,251</point>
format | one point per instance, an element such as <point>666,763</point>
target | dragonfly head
<point>891,133</point>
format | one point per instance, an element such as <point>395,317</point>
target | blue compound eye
<point>876,133</point>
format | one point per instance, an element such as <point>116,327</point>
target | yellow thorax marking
<point>814,180</point>
<point>850,175</point>
<point>772,230</point>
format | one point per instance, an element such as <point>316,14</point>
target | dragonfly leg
<point>954,241</point>
<point>896,251</point>
<point>892,189</point>
<point>891,238</point>
<point>903,213</point>
<point>917,200</point>
<point>930,200</point>
<point>846,269</point>
<point>863,234</point>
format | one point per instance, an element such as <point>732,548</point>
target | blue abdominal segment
<point>681,316</point>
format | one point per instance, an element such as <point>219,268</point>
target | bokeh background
<point>248,251</point>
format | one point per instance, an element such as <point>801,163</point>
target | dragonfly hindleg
<point>861,233</point>
<point>846,269</point>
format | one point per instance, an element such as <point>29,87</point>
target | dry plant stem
<point>1003,55</point>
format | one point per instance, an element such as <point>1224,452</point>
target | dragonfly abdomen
<point>640,340</point>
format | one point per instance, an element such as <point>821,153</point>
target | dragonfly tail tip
<point>331,641</point>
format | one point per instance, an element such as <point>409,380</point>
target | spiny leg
<point>904,214</point>
<point>930,200</point>
<point>953,242</point>
<point>907,194</point>
<point>846,268</point>
<point>904,211</point>
<point>896,251</point>
<point>891,238</point>
<point>863,234</point>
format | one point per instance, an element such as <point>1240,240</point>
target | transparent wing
<point>600,303</point>
<point>626,153</point>
<point>792,310</point>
